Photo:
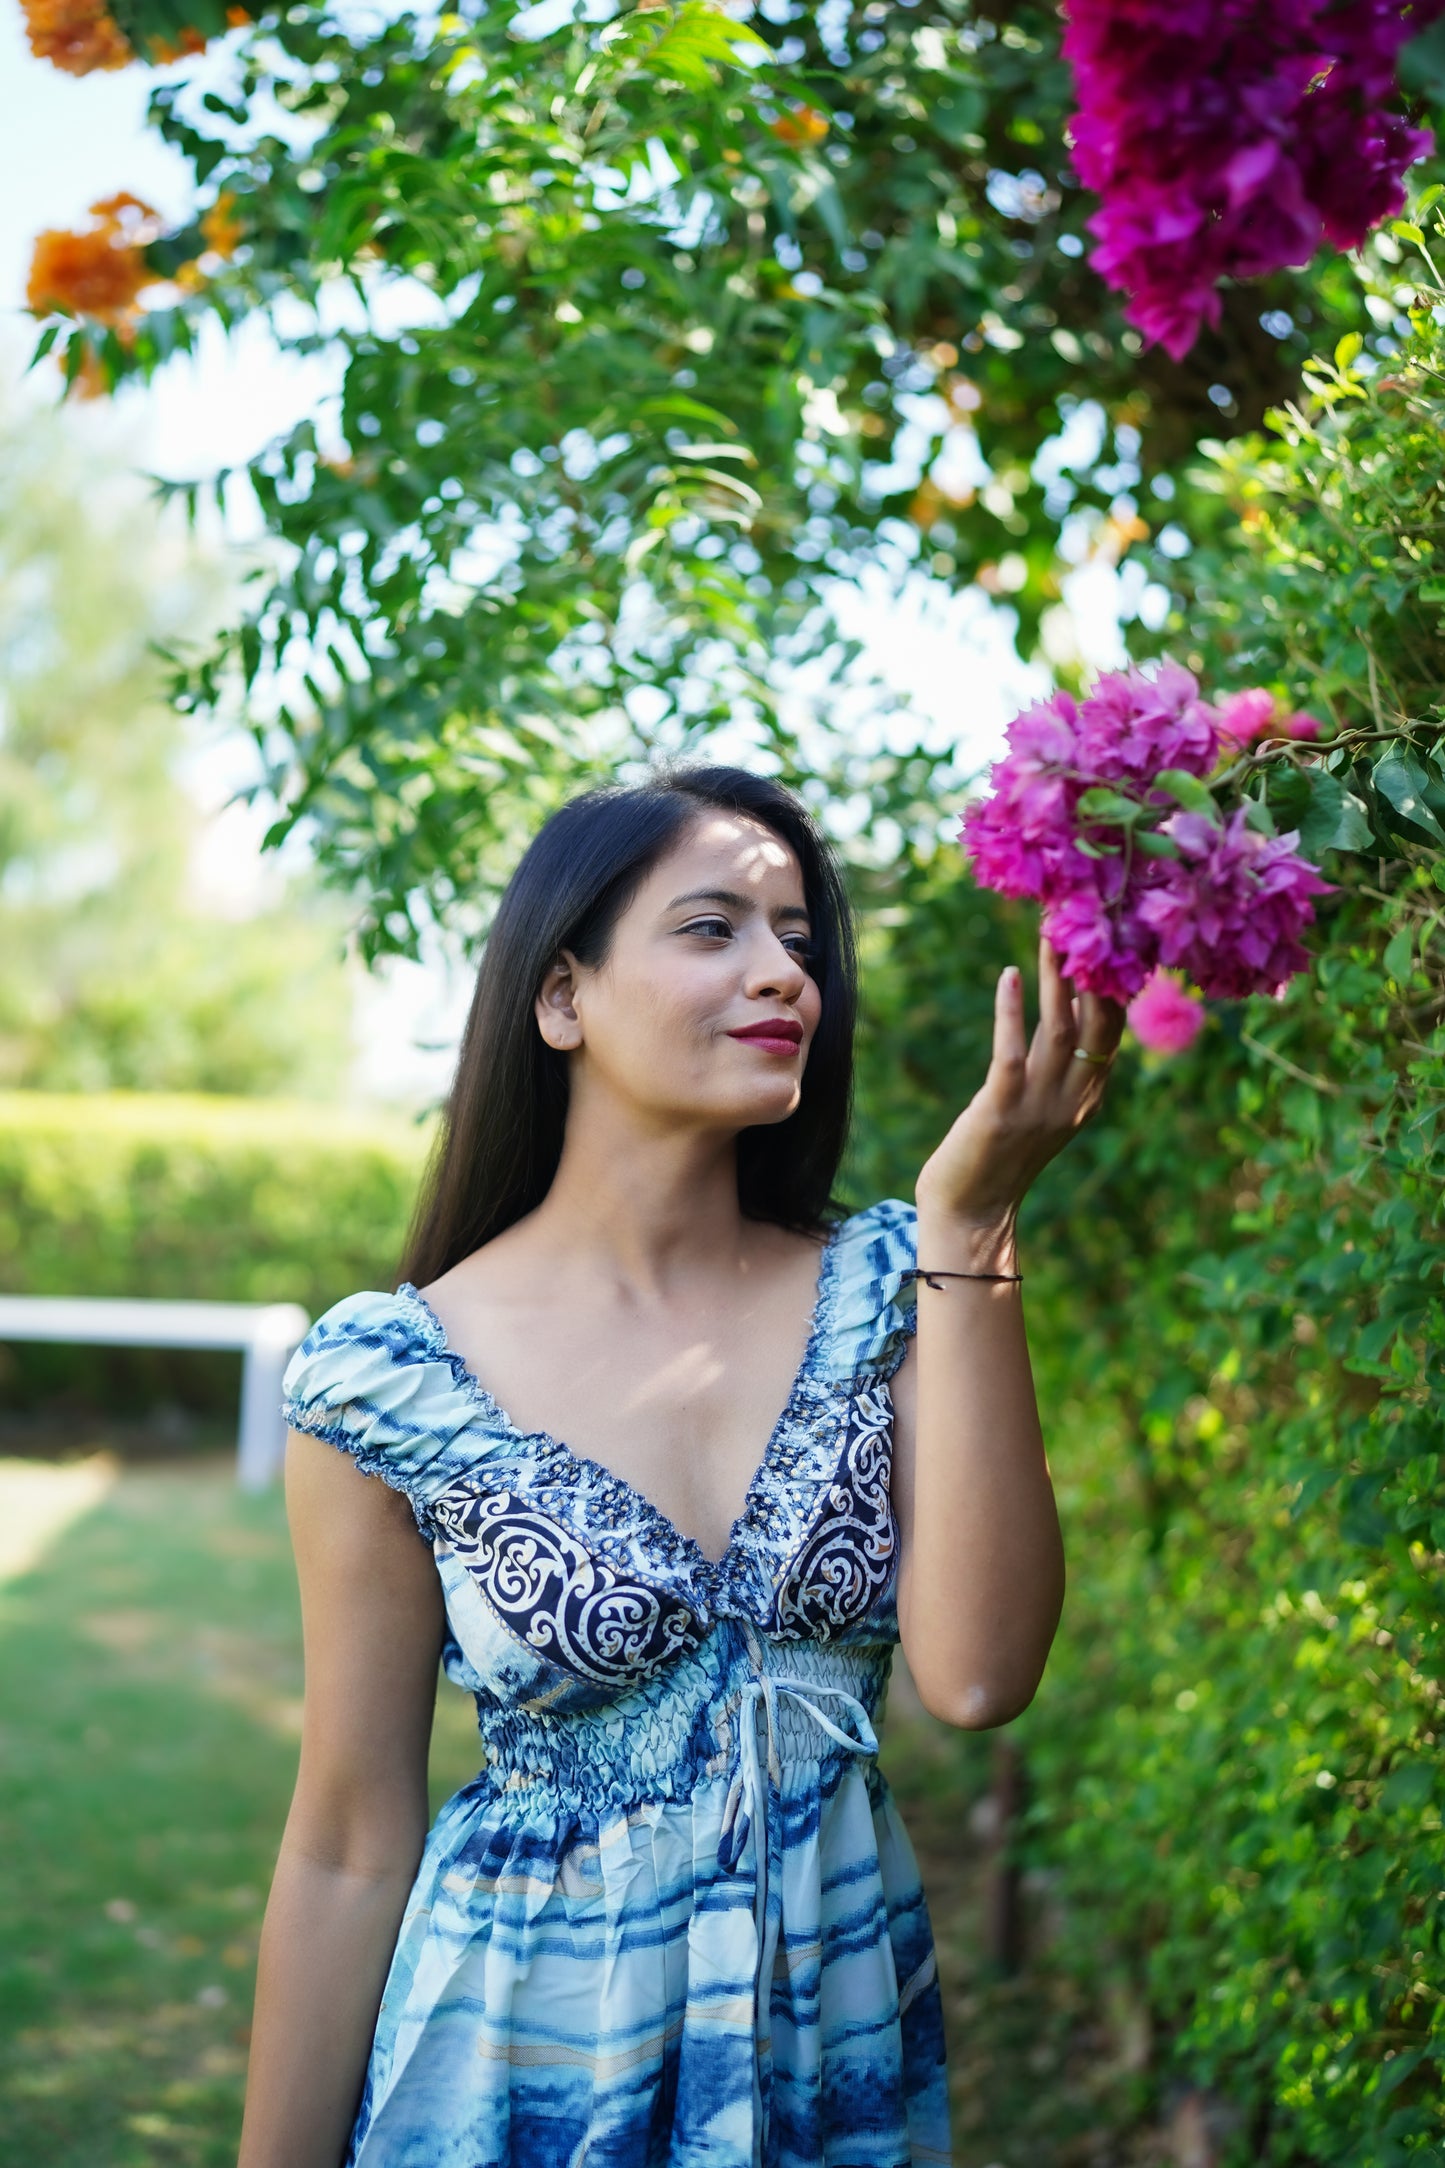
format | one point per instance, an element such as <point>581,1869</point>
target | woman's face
<point>705,1008</point>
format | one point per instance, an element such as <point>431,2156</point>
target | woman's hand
<point>1028,1106</point>
<point>981,1570</point>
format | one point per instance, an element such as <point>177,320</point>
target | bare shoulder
<point>783,1252</point>
<point>507,1274</point>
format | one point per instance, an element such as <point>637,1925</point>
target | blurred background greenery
<point>1190,1912</point>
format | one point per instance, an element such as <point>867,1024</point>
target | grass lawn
<point>149,1715</point>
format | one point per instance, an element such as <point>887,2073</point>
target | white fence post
<point>280,1328</point>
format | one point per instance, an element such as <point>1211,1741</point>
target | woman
<point>674,1919</point>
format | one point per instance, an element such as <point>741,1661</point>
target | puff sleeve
<point>873,1313</point>
<point>375,1380</point>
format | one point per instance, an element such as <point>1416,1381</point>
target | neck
<point>643,1204</point>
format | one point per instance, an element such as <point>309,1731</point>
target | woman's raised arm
<point>981,1574</point>
<point>372,1621</point>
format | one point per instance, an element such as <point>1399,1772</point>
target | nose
<point>773,970</point>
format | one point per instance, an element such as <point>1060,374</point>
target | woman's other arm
<point>372,1623</point>
<point>981,1574</point>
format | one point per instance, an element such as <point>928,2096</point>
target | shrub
<point>1234,1301</point>
<point>227,1199</point>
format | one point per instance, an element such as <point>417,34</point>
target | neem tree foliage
<point>652,327</point>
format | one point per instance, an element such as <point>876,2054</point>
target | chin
<point>766,1108</point>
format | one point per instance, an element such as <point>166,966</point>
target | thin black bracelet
<point>931,1279</point>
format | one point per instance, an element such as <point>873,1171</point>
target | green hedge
<point>226,1199</point>
<point>1235,1305</point>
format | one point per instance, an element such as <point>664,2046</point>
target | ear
<point>556,1004</point>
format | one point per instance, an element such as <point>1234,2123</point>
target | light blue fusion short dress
<point>675,1917</point>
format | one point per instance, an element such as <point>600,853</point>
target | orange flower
<point>1119,532</point>
<point>803,128</point>
<point>221,227</point>
<point>77,36</point>
<point>124,214</point>
<point>927,505</point>
<point>90,381</point>
<point>162,51</point>
<point>96,274</point>
<point>82,35</point>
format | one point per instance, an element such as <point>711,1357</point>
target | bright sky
<point>66,141</point>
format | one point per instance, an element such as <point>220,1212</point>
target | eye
<point>799,945</point>
<point>711,929</point>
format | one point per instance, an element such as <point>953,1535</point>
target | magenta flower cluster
<point>1163,1017</point>
<point>1245,718</point>
<point>1176,882</point>
<point>1226,138</point>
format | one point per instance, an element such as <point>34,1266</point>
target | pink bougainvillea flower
<point>1227,906</point>
<point>1093,925</point>
<point>1024,838</point>
<point>1131,726</point>
<point>1245,718</point>
<point>1230,909</point>
<point>1163,1017</point>
<point>1021,837</point>
<point>1227,138</point>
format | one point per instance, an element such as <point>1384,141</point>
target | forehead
<point>729,850</point>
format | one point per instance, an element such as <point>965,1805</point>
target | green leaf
<point>1188,791</point>
<point>1101,804</point>
<point>1403,783</point>
<point>1307,801</point>
<point>1399,950</point>
<point>1348,349</point>
<point>1400,2066</point>
<point>1311,801</point>
<point>1352,829</point>
<point>1153,845</point>
<point>1258,816</point>
<point>1414,1784</point>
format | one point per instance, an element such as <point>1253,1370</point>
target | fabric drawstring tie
<point>747,1800</point>
<point>746,1812</point>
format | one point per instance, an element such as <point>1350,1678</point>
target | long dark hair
<point>501,1138</point>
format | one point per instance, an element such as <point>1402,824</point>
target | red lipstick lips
<point>777,1035</point>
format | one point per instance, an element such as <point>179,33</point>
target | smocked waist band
<point>664,1747</point>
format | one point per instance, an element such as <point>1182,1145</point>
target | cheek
<point>661,1018</point>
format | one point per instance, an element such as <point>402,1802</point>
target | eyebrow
<point>734,902</point>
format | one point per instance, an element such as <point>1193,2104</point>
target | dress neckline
<point>607,1478</point>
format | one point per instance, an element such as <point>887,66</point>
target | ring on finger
<point>1081,1053</point>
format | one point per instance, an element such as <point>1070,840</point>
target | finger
<point>1058,1024</point>
<point>1101,1024</point>
<point>1009,1051</point>
<point>1100,1029</point>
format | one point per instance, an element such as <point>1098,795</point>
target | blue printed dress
<point>674,1919</point>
